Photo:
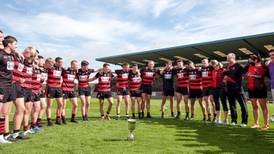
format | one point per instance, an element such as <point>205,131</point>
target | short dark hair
<point>134,65</point>
<point>205,59</point>
<point>1,31</point>
<point>179,60</point>
<point>255,57</point>
<point>73,61</point>
<point>57,59</point>
<point>125,64</point>
<point>105,65</point>
<point>190,62</point>
<point>40,57</point>
<point>167,62</point>
<point>84,63</point>
<point>9,39</point>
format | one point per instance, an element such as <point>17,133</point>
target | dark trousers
<point>219,93</point>
<point>238,95</point>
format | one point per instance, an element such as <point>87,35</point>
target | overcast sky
<point>88,29</point>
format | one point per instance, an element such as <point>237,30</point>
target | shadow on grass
<point>114,140</point>
<point>224,138</point>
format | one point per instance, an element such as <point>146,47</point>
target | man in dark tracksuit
<point>233,76</point>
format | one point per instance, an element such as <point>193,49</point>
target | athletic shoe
<point>108,117</point>
<point>50,123</point>
<point>243,125</point>
<point>127,116</point>
<point>73,121</point>
<point>58,122</point>
<point>102,117</point>
<point>117,117</point>
<point>149,116</point>
<point>29,131</point>
<point>20,136</point>
<point>177,117</point>
<point>225,122</point>
<point>265,127</point>
<point>219,122</point>
<point>255,126</point>
<point>186,118</point>
<point>36,129</point>
<point>64,121</point>
<point>139,115</point>
<point>162,116</point>
<point>86,118</point>
<point>39,123</point>
<point>10,138</point>
<point>204,119</point>
<point>133,116</point>
<point>143,115</point>
<point>3,141</point>
<point>233,124</point>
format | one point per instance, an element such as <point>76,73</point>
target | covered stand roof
<point>241,46</point>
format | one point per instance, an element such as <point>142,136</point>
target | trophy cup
<point>131,127</point>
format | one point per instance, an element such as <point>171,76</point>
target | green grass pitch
<point>152,136</point>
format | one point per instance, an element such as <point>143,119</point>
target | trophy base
<point>130,137</point>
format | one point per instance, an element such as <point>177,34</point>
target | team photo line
<point>24,74</point>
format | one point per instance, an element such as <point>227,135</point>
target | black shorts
<point>122,92</point>
<point>103,95</point>
<point>195,93</point>
<point>8,93</point>
<point>84,91</point>
<point>257,93</point>
<point>168,92</point>
<point>18,90</point>
<point>36,97</point>
<point>207,91</point>
<point>28,95</point>
<point>146,89</point>
<point>135,93</point>
<point>69,94</point>
<point>52,92</point>
<point>182,90</point>
<point>42,94</point>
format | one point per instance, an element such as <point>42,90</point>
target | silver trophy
<point>131,127</point>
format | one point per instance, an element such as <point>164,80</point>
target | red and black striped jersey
<point>195,79</point>
<point>6,69</point>
<point>148,76</point>
<point>44,77</point>
<point>207,76</point>
<point>104,83</point>
<point>54,77</point>
<point>121,79</point>
<point>18,68</point>
<point>69,76</point>
<point>27,75</point>
<point>83,77</point>
<point>256,77</point>
<point>218,78</point>
<point>36,79</point>
<point>182,77</point>
<point>134,80</point>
